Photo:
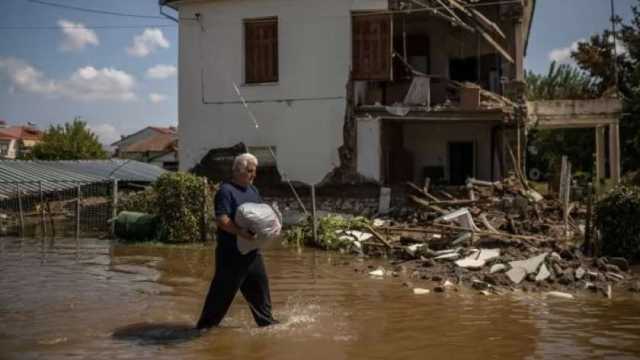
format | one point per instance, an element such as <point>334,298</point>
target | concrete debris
<point>497,268</point>
<point>530,265</point>
<point>377,273</point>
<point>503,233</point>
<point>420,291</point>
<point>478,259</point>
<point>543,274</point>
<point>560,295</point>
<point>485,292</point>
<point>462,217</point>
<point>517,274</point>
<point>620,262</point>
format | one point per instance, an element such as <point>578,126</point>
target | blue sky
<point>122,79</point>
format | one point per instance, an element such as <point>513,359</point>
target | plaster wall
<point>301,115</point>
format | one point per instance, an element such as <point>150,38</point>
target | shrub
<point>617,217</point>
<point>180,206</point>
<point>330,231</point>
<point>140,201</point>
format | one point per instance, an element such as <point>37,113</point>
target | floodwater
<point>103,300</point>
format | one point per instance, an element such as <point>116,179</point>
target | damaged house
<point>379,90</point>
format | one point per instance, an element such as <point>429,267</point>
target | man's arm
<point>225,223</point>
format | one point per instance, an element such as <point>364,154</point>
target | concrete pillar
<point>518,47</point>
<point>614,152</point>
<point>600,153</point>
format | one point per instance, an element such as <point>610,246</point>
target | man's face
<point>247,177</point>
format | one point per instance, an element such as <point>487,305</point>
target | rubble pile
<point>490,236</point>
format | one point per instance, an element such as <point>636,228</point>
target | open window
<point>261,50</point>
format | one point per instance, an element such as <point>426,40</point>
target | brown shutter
<point>261,50</point>
<point>371,47</point>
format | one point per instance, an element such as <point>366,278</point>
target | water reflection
<point>109,300</point>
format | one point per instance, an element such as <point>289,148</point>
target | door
<point>461,162</point>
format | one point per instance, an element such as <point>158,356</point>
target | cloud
<point>107,134</point>
<point>86,83</point>
<point>563,55</point>
<point>161,71</point>
<point>156,98</point>
<point>147,42</point>
<point>76,36</point>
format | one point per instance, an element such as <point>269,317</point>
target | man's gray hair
<point>241,162</point>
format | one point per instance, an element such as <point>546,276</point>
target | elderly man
<point>235,271</point>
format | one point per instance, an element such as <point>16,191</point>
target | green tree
<point>596,57</point>
<point>560,82</point>
<point>71,141</point>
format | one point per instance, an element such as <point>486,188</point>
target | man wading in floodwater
<point>233,270</point>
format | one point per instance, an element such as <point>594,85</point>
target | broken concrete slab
<point>449,256</point>
<point>478,258</point>
<point>543,273</point>
<point>517,274</point>
<point>412,249</point>
<point>420,291</point>
<point>462,217</point>
<point>497,268</point>
<point>378,273</point>
<point>580,273</point>
<point>560,295</point>
<point>530,265</point>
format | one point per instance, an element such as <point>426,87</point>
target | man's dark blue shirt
<point>228,198</point>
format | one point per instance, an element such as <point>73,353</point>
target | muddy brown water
<point>102,300</point>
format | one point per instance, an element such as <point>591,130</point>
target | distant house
<point>17,141</point>
<point>155,145</point>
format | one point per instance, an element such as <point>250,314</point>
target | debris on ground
<point>489,236</point>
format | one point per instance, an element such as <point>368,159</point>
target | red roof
<point>164,130</point>
<point>158,142</point>
<point>20,132</point>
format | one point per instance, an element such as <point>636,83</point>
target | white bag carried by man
<point>262,220</point>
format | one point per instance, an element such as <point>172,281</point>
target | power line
<point>86,27</point>
<point>95,11</point>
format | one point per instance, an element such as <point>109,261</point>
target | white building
<point>321,75</point>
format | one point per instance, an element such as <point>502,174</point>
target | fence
<point>57,208</point>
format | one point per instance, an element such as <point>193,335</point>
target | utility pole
<point>615,50</point>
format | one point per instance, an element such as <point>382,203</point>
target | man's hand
<point>245,234</point>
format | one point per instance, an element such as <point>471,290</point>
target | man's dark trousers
<point>234,272</point>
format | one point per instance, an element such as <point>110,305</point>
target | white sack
<point>259,219</point>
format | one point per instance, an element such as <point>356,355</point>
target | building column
<point>518,48</point>
<point>614,152</point>
<point>600,153</point>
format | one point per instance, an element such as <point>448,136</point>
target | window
<point>371,47</point>
<point>261,50</point>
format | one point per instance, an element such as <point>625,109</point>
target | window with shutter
<point>371,47</point>
<point>261,50</point>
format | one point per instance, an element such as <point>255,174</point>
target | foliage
<point>140,201</point>
<point>617,217</point>
<point>549,145</point>
<point>560,82</point>
<point>596,57</point>
<point>72,141</point>
<point>181,206</point>
<point>330,231</point>
<point>178,199</point>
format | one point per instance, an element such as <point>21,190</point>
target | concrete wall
<point>429,145</point>
<point>369,148</point>
<point>301,115</point>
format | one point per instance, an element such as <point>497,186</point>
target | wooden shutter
<point>261,50</point>
<point>371,47</point>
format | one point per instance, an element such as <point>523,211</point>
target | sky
<point>119,73</point>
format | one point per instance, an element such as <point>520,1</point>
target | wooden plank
<point>379,237</point>
<point>486,23</point>
<point>495,44</point>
